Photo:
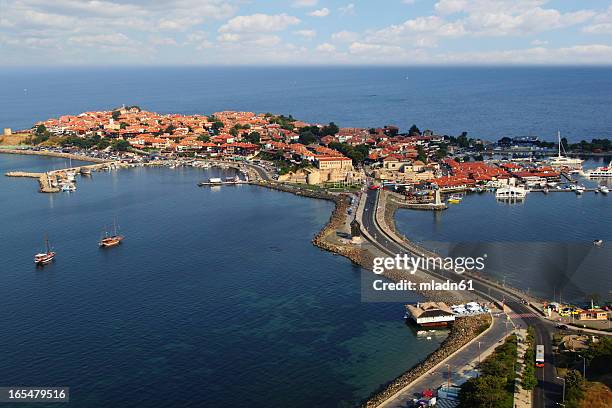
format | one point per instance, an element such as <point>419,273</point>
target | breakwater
<point>463,330</point>
<point>54,154</point>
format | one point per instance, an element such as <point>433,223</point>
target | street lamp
<point>478,359</point>
<point>563,379</point>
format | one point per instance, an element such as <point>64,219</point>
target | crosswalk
<point>522,315</point>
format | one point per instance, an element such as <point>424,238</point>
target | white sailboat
<point>562,161</point>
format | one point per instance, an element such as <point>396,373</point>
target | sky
<point>305,32</point>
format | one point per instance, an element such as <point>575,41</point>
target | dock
<point>561,190</point>
<point>49,181</point>
<point>221,183</point>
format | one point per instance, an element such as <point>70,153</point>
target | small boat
<point>108,241</point>
<point>579,190</point>
<point>85,171</point>
<point>598,242</point>
<point>604,189</point>
<point>70,187</point>
<point>455,199</point>
<point>44,258</point>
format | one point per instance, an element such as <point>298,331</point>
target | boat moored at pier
<point>511,193</point>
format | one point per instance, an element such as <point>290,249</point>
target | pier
<point>49,181</point>
<point>221,183</point>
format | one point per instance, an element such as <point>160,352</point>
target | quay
<point>561,190</point>
<point>49,181</point>
<point>221,183</point>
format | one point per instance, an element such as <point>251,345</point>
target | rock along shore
<point>54,154</point>
<point>461,332</point>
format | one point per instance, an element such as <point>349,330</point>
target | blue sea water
<point>215,298</point>
<point>544,244</point>
<point>487,102</point>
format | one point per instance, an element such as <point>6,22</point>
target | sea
<point>217,297</point>
<point>486,102</point>
<point>543,245</point>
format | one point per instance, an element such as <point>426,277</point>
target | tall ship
<point>108,241</point>
<point>46,257</point>
<point>562,161</point>
<point>600,172</point>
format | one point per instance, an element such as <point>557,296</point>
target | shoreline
<point>460,333</point>
<point>54,154</point>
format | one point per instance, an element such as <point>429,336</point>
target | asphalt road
<point>549,389</point>
<point>455,365</point>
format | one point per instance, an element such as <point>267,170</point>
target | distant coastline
<point>54,154</point>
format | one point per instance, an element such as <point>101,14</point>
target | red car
<point>374,187</point>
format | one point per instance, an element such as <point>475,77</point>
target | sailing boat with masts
<point>108,241</point>
<point>46,257</point>
<point>561,161</point>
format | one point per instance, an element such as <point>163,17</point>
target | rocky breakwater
<point>323,239</point>
<point>463,330</point>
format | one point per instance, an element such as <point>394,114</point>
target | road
<point>456,364</point>
<point>549,389</point>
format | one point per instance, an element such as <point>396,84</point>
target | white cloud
<point>539,42</point>
<point>163,41</point>
<point>305,3</point>
<point>577,54</point>
<point>325,47</point>
<point>199,39</point>
<point>348,9</point>
<point>345,36</point>
<point>375,50</point>
<point>602,23</point>
<point>324,12</point>
<point>256,23</point>
<point>179,24</point>
<point>509,17</point>
<point>306,33</point>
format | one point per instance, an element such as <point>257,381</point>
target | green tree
<point>116,115</point>
<point>120,145</point>
<point>421,155</point>
<point>574,388</point>
<point>331,129</point>
<point>204,138</point>
<point>307,138</point>
<point>414,131</point>
<point>103,144</point>
<point>483,392</point>
<point>253,137</point>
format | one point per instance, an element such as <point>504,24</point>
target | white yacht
<point>511,193</point>
<point>562,161</point>
<point>579,189</point>
<point>604,189</point>
<point>70,187</point>
<point>600,172</point>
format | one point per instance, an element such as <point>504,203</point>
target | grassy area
<point>14,139</point>
<point>596,395</point>
<point>529,379</point>
<point>494,388</point>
